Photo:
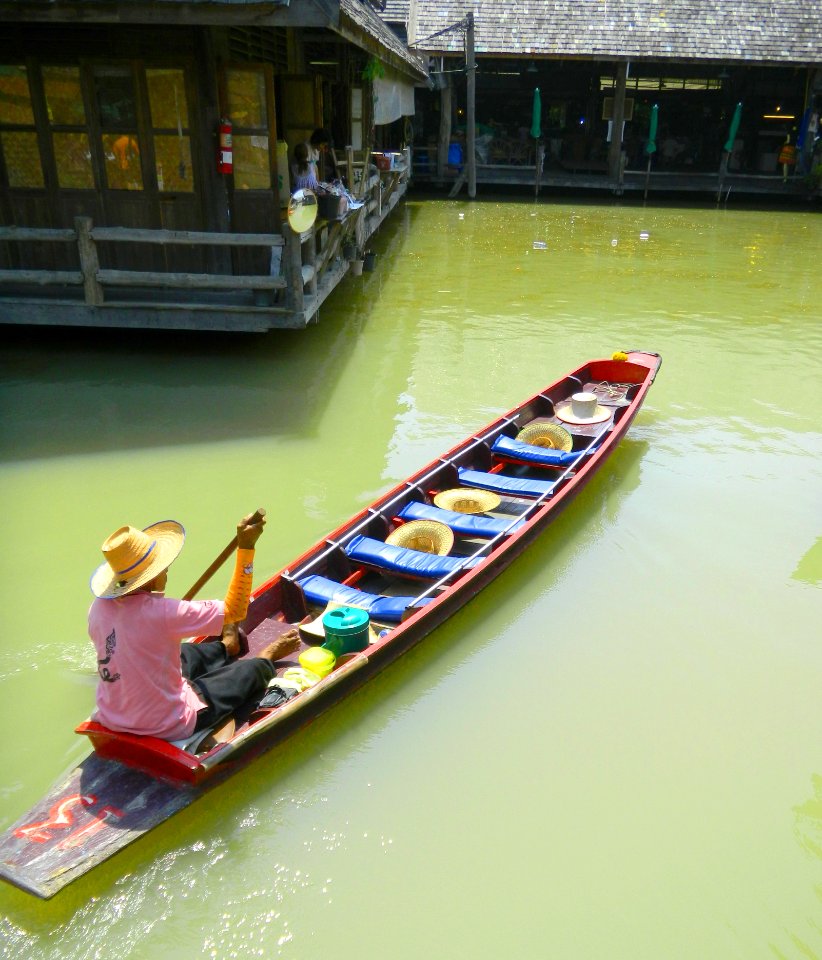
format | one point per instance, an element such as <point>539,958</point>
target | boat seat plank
<point>321,590</point>
<point>506,486</point>
<point>402,560</point>
<point>530,453</point>
<point>465,524</point>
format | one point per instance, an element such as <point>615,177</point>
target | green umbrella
<point>729,144</point>
<point>536,117</point>
<point>650,146</point>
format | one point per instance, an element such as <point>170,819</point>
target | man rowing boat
<point>149,683</point>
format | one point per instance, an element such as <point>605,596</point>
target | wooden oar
<point>220,560</point>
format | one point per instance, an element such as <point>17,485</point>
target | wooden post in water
<point>295,295</point>
<point>471,112</point>
<point>617,119</point>
<point>445,128</point>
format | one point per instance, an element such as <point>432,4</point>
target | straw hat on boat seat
<point>583,409</point>
<point>428,536</point>
<point>135,557</point>
<point>550,435</point>
<point>465,500</point>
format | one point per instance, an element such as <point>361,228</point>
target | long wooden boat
<point>508,470</point>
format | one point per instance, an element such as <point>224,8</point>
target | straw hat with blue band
<point>135,557</point>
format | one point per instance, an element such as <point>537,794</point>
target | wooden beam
<point>471,111</point>
<point>187,237</point>
<point>42,277</point>
<point>189,281</point>
<point>89,262</point>
<point>445,128</point>
<point>615,149</point>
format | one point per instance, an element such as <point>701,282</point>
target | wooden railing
<point>305,267</point>
<point>95,279</point>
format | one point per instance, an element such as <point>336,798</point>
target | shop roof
<point>364,19</point>
<point>761,31</point>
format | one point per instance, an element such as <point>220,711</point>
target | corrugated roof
<point>784,31</point>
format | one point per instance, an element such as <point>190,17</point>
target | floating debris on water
<point>540,245</point>
<point>644,236</point>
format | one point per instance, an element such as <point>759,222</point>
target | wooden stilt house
<point>145,149</point>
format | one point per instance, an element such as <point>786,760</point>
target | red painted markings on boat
<point>61,817</point>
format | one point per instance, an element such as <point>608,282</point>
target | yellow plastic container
<point>318,660</point>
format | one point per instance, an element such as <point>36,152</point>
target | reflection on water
<point>606,753</point>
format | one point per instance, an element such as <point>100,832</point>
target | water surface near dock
<point>613,752</point>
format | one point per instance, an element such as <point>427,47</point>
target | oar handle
<point>257,516</point>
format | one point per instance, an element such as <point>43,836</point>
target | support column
<point>445,128</point>
<point>471,112</point>
<point>615,151</point>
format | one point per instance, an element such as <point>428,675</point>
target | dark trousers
<point>222,684</point>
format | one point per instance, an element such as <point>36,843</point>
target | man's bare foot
<point>231,639</point>
<point>282,646</point>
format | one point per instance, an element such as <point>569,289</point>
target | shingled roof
<point>362,16</point>
<point>756,31</point>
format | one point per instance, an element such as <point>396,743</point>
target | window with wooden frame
<point>168,105</point>
<point>66,112</point>
<point>249,105</point>
<point>18,133</point>
<point>116,101</point>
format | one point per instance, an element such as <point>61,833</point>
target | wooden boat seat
<point>465,524</point>
<point>403,560</point>
<point>321,590</point>
<point>506,486</point>
<point>513,449</point>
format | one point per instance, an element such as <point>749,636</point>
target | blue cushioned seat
<point>410,563</point>
<point>321,590</point>
<point>465,524</point>
<point>506,486</point>
<point>530,453</point>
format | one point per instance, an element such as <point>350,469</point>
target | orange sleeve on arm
<point>239,590</point>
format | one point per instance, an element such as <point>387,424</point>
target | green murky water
<point>614,752</point>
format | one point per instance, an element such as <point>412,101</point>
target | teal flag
<point>536,116</point>
<point>729,144</point>
<point>650,146</point>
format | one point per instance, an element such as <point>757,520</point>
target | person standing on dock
<point>150,683</point>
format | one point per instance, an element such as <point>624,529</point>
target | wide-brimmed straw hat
<point>428,536</point>
<point>550,435</point>
<point>464,500</point>
<point>134,557</point>
<point>583,408</point>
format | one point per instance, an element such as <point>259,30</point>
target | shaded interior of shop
<point>696,103</point>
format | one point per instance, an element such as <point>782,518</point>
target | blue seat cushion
<point>321,590</point>
<point>410,563</point>
<point>465,524</point>
<point>529,453</point>
<point>507,486</point>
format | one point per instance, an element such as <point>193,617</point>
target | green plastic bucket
<point>346,630</point>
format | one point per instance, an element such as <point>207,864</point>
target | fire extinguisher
<point>225,150</point>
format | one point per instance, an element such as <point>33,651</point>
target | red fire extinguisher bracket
<point>225,147</point>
